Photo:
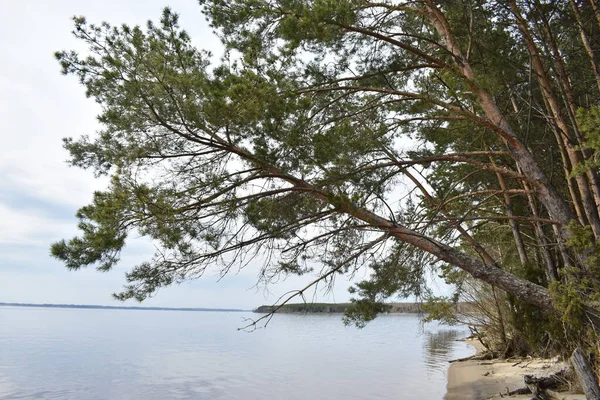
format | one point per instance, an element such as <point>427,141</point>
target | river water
<point>52,353</point>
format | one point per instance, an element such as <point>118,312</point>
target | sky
<point>40,193</point>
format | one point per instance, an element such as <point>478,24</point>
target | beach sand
<point>478,380</point>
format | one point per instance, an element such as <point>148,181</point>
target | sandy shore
<point>478,380</point>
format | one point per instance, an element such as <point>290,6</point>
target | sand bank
<point>478,380</point>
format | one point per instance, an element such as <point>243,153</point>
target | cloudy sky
<point>39,193</point>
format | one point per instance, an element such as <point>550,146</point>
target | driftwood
<point>540,387</point>
<point>488,355</point>
<point>585,375</point>
<point>534,385</point>
<point>461,359</point>
<point>523,390</point>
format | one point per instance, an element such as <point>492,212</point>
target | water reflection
<point>438,346</point>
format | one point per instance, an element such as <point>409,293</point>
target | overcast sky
<point>39,193</point>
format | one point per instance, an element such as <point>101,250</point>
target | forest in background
<point>335,308</point>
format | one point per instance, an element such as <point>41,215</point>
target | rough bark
<point>585,375</point>
<point>520,288</point>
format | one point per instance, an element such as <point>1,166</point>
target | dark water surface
<point>49,353</point>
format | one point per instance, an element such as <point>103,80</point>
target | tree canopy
<point>336,135</point>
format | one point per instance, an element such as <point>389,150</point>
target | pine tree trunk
<point>592,175</point>
<point>589,204</point>
<point>548,195</point>
<point>596,11</point>
<point>551,271</point>
<point>586,42</point>
<point>566,90</point>
<point>503,336</point>
<point>571,184</point>
<point>512,222</point>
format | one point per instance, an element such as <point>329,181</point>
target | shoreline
<point>492,379</point>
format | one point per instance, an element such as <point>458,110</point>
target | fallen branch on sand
<point>539,387</point>
<point>488,355</point>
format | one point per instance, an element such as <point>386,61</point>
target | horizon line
<point>94,306</point>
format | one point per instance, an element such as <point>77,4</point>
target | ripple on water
<point>97,354</point>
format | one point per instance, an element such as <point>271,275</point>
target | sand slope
<point>478,380</point>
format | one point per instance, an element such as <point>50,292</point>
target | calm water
<point>88,354</point>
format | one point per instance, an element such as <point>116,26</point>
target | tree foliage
<point>400,137</point>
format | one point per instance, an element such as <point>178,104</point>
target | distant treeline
<point>409,308</point>
<point>117,307</point>
<point>394,308</point>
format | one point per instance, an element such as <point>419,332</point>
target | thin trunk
<point>565,87</point>
<point>596,11</point>
<point>589,204</point>
<point>586,42</point>
<point>512,222</point>
<point>566,90</point>
<point>571,184</point>
<point>564,252</point>
<point>551,271</point>
<point>503,337</point>
<point>548,195</point>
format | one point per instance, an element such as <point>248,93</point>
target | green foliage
<point>578,288</point>
<point>103,237</point>
<point>588,120</point>
<point>361,311</point>
<point>296,150</point>
<point>192,155</point>
<point>440,309</point>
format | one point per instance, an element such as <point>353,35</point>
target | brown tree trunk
<point>548,195</point>
<point>586,42</point>
<point>518,287</point>
<point>565,86</point>
<point>503,336</point>
<point>589,204</point>
<point>569,97</point>
<point>571,184</point>
<point>512,222</point>
<point>551,271</point>
<point>564,252</point>
<point>596,11</point>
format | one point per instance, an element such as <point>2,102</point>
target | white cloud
<point>24,228</point>
<point>38,107</point>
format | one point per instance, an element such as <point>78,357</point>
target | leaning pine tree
<point>292,149</point>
